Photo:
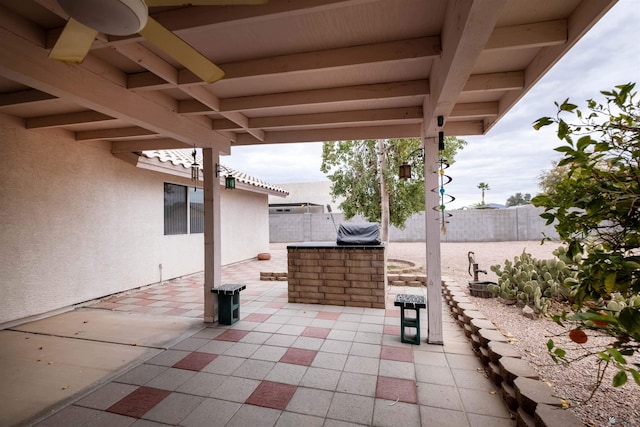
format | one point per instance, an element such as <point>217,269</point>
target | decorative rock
<point>264,256</point>
<point>475,342</point>
<point>529,313</point>
<point>487,335</point>
<point>550,416</point>
<point>498,350</point>
<point>512,368</point>
<point>414,283</point>
<point>467,331</point>
<point>466,306</point>
<point>531,392</point>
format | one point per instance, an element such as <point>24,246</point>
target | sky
<point>512,156</point>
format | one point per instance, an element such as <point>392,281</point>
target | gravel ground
<point>609,406</point>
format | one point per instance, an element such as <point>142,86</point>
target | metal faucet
<point>473,264</point>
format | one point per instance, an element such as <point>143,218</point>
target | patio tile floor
<point>287,364</point>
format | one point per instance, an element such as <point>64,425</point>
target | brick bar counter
<point>327,273</point>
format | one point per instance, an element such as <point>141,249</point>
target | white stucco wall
<point>77,223</point>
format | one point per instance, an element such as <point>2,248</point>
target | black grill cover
<point>366,233</point>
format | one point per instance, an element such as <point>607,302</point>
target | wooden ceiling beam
<point>322,119</point>
<point>111,134</point>
<point>26,96</point>
<point>466,29</point>
<point>538,34</point>
<point>66,119</point>
<point>424,47</point>
<point>31,67</point>
<point>513,80</point>
<point>320,96</point>
<point>147,145</point>
<point>334,134</point>
<point>474,110</point>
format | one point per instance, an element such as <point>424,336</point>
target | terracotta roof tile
<point>184,159</point>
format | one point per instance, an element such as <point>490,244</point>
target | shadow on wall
<point>475,225</point>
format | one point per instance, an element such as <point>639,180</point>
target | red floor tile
<point>392,312</point>
<point>400,354</point>
<point>195,361</point>
<point>314,332</point>
<point>391,330</point>
<point>138,402</point>
<point>232,335</point>
<point>397,389</point>
<point>176,312</point>
<point>299,356</point>
<point>328,315</point>
<point>256,317</point>
<point>272,395</point>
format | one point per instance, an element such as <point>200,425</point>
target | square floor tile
<point>336,346</point>
<point>256,337</point>
<point>430,374</point>
<point>362,365</point>
<point>138,402</point>
<point>328,315</point>
<point>290,419</point>
<point>231,335</point>
<point>281,340</point>
<point>397,389</point>
<point>174,408</point>
<point>329,360</point>
<point>256,317</point>
<point>250,415</point>
<point>255,369</point>
<point>299,356</point>
<point>439,396</point>
<point>195,361</point>
<point>392,368</point>
<point>224,365</point>
<point>315,332</point>
<point>391,330</point>
<point>270,394</point>
<point>361,384</point>
<point>391,413</point>
<point>436,417</point>
<point>310,401</point>
<point>287,373</point>
<point>171,379</point>
<point>235,389</point>
<point>400,354</point>
<point>241,349</point>
<point>202,384</point>
<point>351,408</point>
<point>141,374</point>
<point>320,378</point>
<point>483,403</point>
<point>211,413</point>
<point>106,396</point>
<point>269,352</point>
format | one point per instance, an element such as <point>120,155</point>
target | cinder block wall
<point>348,276</point>
<point>475,225</point>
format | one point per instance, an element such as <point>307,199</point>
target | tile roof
<point>184,159</point>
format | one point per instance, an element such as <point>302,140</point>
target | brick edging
<point>530,399</point>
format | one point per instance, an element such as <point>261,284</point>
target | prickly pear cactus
<point>535,282</point>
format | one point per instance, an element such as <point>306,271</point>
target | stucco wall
<point>77,223</point>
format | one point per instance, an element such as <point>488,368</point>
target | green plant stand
<point>410,302</point>
<point>228,303</point>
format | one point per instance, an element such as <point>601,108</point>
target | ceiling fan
<point>126,17</point>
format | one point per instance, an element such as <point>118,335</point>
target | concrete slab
<point>47,363</point>
<point>116,327</point>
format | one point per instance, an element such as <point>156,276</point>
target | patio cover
<point>296,71</point>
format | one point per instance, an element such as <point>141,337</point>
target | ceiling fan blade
<point>181,51</point>
<point>154,3</point>
<point>74,42</point>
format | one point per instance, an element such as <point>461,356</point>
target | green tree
<point>518,199</point>
<point>595,203</point>
<point>365,173</point>
<point>483,186</point>
<point>548,179</point>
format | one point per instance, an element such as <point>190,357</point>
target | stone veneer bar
<point>327,273</point>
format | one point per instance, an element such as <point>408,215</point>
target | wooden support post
<point>212,241</point>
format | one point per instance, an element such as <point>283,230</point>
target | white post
<point>212,242</point>
<point>432,238</point>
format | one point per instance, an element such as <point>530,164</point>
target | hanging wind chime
<point>444,180</point>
